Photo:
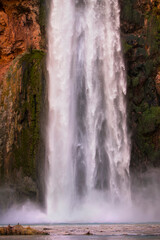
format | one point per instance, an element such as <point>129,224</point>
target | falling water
<point>88,148</point>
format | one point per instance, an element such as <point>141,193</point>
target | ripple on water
<point>95,232</point>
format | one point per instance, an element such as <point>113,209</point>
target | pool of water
<point>94,232</point>
<point>62,237</point>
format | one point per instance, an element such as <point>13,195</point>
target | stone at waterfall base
<point>20,230</point>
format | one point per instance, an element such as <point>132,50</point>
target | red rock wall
<point>19,29</point>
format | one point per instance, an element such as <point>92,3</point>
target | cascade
<point>88,147</point>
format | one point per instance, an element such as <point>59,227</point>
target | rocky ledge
<point>20,230</point>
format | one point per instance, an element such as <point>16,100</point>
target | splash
<point>88,148</point>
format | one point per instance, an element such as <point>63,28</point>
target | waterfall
<point>88,147</point>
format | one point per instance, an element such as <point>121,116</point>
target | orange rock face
<point>19,29</point>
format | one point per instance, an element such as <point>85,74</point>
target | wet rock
<point>20,230</point>
<point>88,233</point>
<point>140,29</point>
<point>21,104</point>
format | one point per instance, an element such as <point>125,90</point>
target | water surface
<point>80,237</point>
<point>97,231</point>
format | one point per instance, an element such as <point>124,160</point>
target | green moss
<point>148,67</point>
<point>140,52</point>
<point>141,42</point>
<point>125,46</point>
<point>130,13</point>
<point>145,146</point>
<point>127,10</point>
<point>28,105</point>
<point>140,109</point>
<point>135,81</point>
<point>153,32</point>
<point>150,120</point>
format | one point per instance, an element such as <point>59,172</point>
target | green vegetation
<point>135,81</point>
<point>26,93</point>
<point>150,120</point>
<point>140,25</point>
<point>126,47</point>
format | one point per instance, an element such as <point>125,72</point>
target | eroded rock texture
<point>22,97</point>
<point>19,29</point>
<point>140,27</point>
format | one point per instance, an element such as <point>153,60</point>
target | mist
<point>143,208</point>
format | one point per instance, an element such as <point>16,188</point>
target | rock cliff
<point>19,29</point>
<point>23,91</point>
<point>22,96</point>
<point>140,27</point>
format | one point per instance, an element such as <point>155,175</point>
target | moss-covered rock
<point>29,107</point>
<point>22,101</point>
<point>140,30</point>
<point>149,121</point>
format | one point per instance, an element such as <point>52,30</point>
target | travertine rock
<point>19,29</point>
<point>22,87</point>
<point>140,29</point>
